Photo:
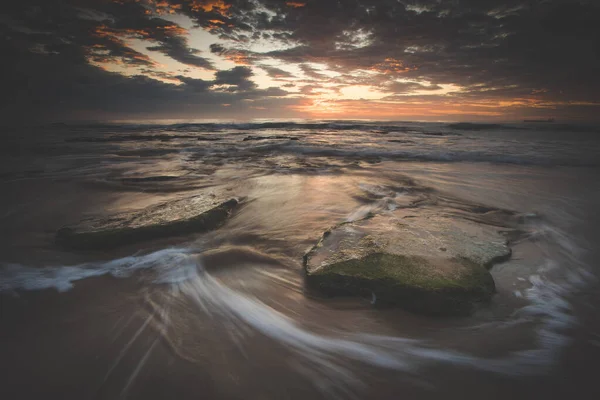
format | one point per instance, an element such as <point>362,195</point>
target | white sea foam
<point>20,277</point>
<point>323,357</point>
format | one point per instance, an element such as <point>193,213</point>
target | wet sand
<point>96,342</point>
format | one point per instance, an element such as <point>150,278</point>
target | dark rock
<point>180,217</point>
<point>420,259</point>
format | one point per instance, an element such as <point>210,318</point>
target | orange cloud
<point>168,30</point>
<point>164,7</point>
<point>102,53</point>
<point>174,30</point>
<point>239,59</point>
<point>218,6</point>
<point>392,66</point>
<point>214,24</point>
<point>295,4</point>
<point>100,56</point>
<point>154,6</point>
<point>102,31</point>
<point>236,57</point>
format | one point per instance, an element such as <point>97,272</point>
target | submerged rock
<point>194,214</point>
<point>418,258</point>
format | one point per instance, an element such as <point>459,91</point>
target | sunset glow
<point>300,199</point>
<point>305,59</point>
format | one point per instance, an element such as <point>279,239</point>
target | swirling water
<point>226,313</point>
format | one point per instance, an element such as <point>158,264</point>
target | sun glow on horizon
<point>317,87</point>
<point>276,72</point>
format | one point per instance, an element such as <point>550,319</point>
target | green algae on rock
<point>179,217</point>
<point>420,259</point>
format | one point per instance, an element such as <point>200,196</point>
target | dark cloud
<point>198,85</point>
<point>276,73</point>
<point>407,87</point>
<point>100,30</point>
<point>311,72</point>
<point>82,91</point>
<point>510,50</point>
<point>177,49</point>
<point>484,45</point>
<point>238,56</point>
<point>217,49</point>
<point>238,76</point>
<point>308,89</point>
<point>170,37</point>
<point>44,77</point>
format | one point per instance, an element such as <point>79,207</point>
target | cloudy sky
<point>322,59</point>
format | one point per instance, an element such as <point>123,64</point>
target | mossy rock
<point>416,259</point>
<point>175,218</point>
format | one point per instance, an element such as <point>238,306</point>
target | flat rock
<point>179,217</point>
<point>421,259</point>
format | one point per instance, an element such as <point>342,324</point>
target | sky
<point>429,60</point>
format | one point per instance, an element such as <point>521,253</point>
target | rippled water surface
<point>226,314</point>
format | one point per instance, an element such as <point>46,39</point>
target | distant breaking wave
<point>519,144</point>
<point>428,155</point>
<point>376,126</point>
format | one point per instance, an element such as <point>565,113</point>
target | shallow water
<point>226,313</point>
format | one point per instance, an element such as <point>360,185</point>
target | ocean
<point>225,314</point>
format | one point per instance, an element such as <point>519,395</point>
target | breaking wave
<point>333,125</point>
<point>400,154</point>
<point>327,355</point>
